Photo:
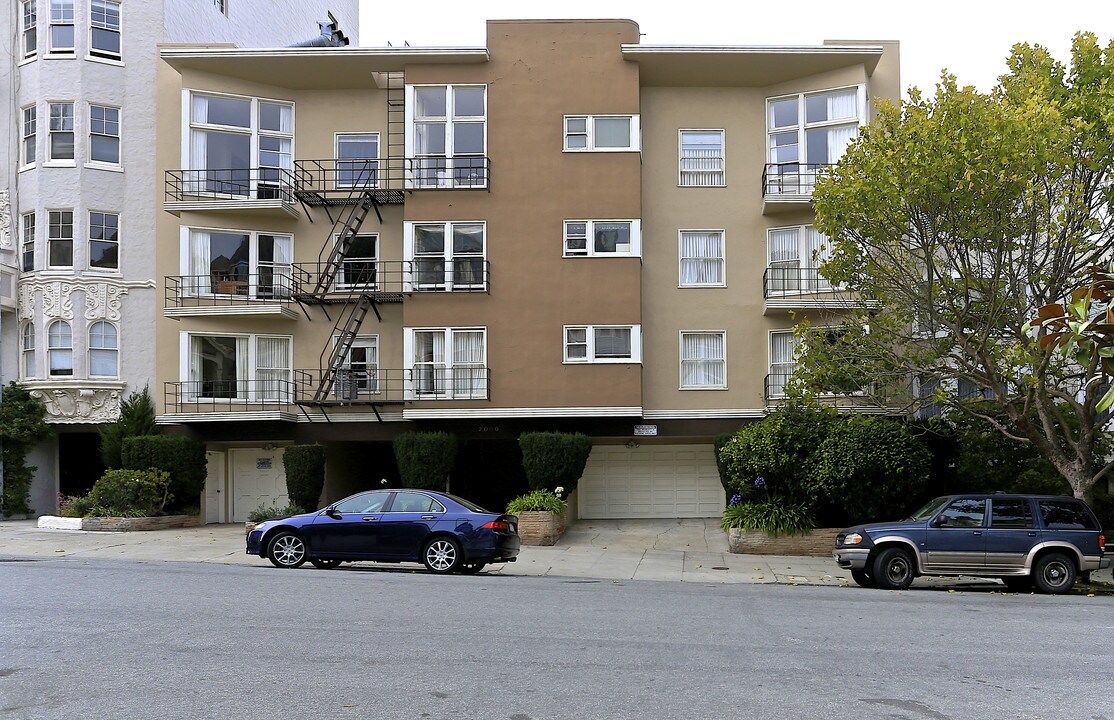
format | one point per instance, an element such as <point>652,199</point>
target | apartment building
<point>562,230</point>
<point>77,262</point>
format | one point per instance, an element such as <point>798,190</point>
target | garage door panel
<point>660,481</point>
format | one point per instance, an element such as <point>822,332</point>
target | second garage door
<point>652,481</point>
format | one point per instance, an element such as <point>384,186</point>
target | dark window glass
<point>1066,515</point>
<point>415,502</point>
<point>965,512</point>
<point>1010,513</point>
<point>371,502</point>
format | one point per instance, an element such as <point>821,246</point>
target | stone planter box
<point>537,527</point>
<point>818,543</point>
<point>119,524</point>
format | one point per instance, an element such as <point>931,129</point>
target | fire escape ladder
<point>345,331</point>
<point>345,229</point>
<point>396,128</point>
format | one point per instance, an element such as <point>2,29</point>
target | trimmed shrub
<point>872,467</point>
<point>425,459</point>
<point>305,474</point>
<point>137,418</point>
<point>776,516</point>
<point>554,459</point>
<point>129,493</point>
<point>183,457</point>
<point>539,501</point>
<point>719,442</point>
<point>262,512</point>
<point>75,506</point>
<point>22,424</point>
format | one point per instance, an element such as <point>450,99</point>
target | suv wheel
<point>893,569</point>
<point>1054,573</point>
<point>863,578</point>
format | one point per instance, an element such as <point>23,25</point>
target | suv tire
<point>1054,573</point>
<point>893,569</point>
<point>863,579</point>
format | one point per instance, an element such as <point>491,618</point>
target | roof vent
<point>330,36</point>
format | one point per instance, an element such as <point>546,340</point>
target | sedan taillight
<point>496,525</point>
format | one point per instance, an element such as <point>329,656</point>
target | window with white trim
<point>59,245</point>
<point>30,24</point>
<point>104,241</point>
<point>783,362</point>
<point>357,160</point>
<point>447,363</point>
<point>27,241</point>
<point>60,348</point>
<point>446,135</point>
<point>238,262</point>
<point>602,133</point>
<point>104,29</point>
<point>62,27</point>
<point>794,257</point>
<point>27,347</point>
<point>360,371</point>
<point>104,134</point>
<point>702,260</point>
<point>61,146</point>
<point>704,360</point>
<point>104,350</point>
<point>240,367</point>
<point>240,147</point>
<point>603,343</point>
<point>30,135</point>
<point>701,158</point>
<point>446,255</point>
<point>606,238</point>
<point>360,266</point>
<point>807,132</point>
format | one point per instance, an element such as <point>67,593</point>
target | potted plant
<point>541,516</point>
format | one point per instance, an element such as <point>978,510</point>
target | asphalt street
<point>125,639</point>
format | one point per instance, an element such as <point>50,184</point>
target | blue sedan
<point>444,532</point>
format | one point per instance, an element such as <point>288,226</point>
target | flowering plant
<point>539,501</point>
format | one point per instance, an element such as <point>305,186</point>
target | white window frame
<point>51,131</point>
<point>119,122</point>
<point>197,180</point>
<point>368,385</point>
<point>794,347</point>
<point>29,28</point>
<point>28,230</point>
<point>89,237</point>
<point>448,173</point>
<point>803,179</point>
<point>97,53</point>
<point>28,362</point>
<point>590,343</point>
<point>251,364</point>
<point>52,349</point>
<point>412,281</point>
<point>29,131</point>
<point>446,386</point>
<point>374,164</point>
<point>683,359</point>
<point>589,133</point>
<point>721,172</point>
<point>115,351</point>
<point>340,283</point>
<point>590,250</point>
<point>804,284</point>
<point>681,258</point>
<point>197,287</point>
<point>61,238</point>
<point>60,20</point>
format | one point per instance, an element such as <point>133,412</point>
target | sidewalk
<point>678,551</point>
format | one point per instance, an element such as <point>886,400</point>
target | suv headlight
<point>852,539</point>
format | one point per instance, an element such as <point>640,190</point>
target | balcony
<point>235,189</point>
<point>787,288</point>
<point>340,182</point>
<point>789,186</point>
<point>775,384</point>
<point>228,401</point>
<point>388,280</point>
<point>267,294</point>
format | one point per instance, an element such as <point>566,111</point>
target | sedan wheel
<point>441,555</point>
<point>1054,574</point>
<point>287,550</point>
<point>893,569</point>
<point>472,568</point>
<point>325,564</point>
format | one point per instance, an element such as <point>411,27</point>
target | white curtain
<point>838,140</point>
<point>193,384</point>
<point>819,252</point>
<point>281,273</point>
<point>843,104</point>
<point>703,360</point>
<point>429,362</point>
<point>199,281</point>
<point>469,373</point>
<point>243,373</point>
<point>272,360</point>
<point>782,360</point>
<point>785,260</point>
<point>199,113</point>
<point>701,258</point>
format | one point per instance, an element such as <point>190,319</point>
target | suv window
<point>964,512</point>
<point>1066,515</point>
<point>1010,513</point>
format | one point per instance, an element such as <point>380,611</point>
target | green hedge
<point>129,493</point>
<point>137,419</point>
<point>22,424</point>
<point>554,459</point>
<point>305,474</point>
<point>425,459</point>
<point>182,457</point>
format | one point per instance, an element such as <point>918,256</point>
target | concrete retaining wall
<point>119,524</point>
<point>818,543</point>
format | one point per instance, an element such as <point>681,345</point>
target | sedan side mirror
<point>331,511</point>
<point>939,521</point>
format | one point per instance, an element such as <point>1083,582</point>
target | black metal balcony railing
<point>255,183</point>
<point>219,289</point>
<point>780,280</point>
<point>207,396</point>
<point>775,383</point>
<point>791,178</point>
<point>467,172</point>
<point>360,276</point>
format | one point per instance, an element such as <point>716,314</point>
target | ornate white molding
<point>79,401</point>
<point>26,301</point>
<point>5,221</point>
<point>103,296</point>
<point>103,301</point>
<point>58,300</point>
<point>81,282</point>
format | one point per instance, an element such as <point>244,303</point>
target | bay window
<point>30,18</point>
<point>104,241</point>
<point>27,347</point>
<point>104,29</point>
<point>27,240</point>
<point>30,133</point>
<point>104,134</point>
<point>62,27</point>
<point>447,363</point>
<point>238,262</point>
<point>60,239</point>
<point>104,350</point>
<point>60,348</point>
<point>446,135</point>
<point>61,132</point>
<point>807,132</point>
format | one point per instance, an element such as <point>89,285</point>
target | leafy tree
<point>425,459</point>
<point>137,418</point>
<point>22,424</point>
<point>957,216</point>
<point>553,459</point>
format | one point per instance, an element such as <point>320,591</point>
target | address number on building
<point>645,429</point>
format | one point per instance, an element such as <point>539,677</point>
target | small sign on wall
<point>645,429</point>
<point>263,463</point>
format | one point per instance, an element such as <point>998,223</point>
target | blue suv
<point>1028,541</point>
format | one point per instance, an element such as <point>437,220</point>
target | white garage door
<point>651,481</point>
<point>258,479</point>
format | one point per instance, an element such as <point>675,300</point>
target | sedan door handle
<point>429,517</point>
<point>977,532</point>
<point>1032,534</point>
<point>370,518</point>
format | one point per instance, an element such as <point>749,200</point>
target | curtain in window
<point>199,113</point>
<point>243,371</point>
<point>102,350</point>
<point>785,261</point>
<point>198,280</point>
<point>429,362</point>
<point>702,360</point>
<point>843,105</point>
<point>701,159</point>
<point>782,361</point>
<point>819,252</point>
<point>274,269</point>
<point>838,140</point>
<point>469,372</point>
<point>193,382</point>
<point>272,374</point>
<point>701,258</point>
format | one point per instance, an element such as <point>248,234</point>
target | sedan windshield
<point>929,509</point>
